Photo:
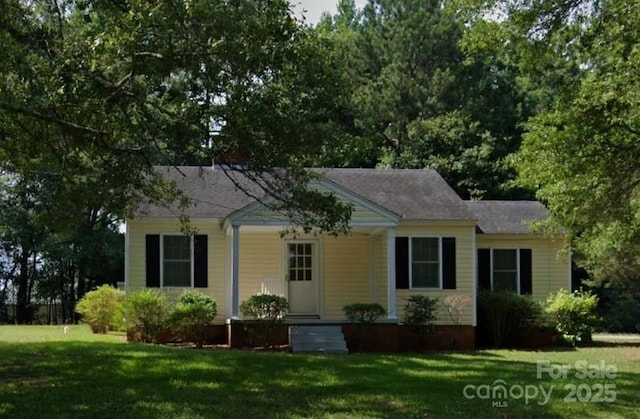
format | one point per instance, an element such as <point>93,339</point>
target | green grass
<point>45,373</point>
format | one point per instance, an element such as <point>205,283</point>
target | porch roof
<point>365,212</point>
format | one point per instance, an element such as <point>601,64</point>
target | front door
<point>302,277</point>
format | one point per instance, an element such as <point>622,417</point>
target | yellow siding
<point>550,266</point>
<point>465,272</point>
<point>361,214</point>
<point>346,273</point>
<point>260,259</point>
<point>217,247</point>
<point>380,285</point>
<point>344,268</point>
<point>352,268</point>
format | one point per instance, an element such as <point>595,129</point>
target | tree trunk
<point>22,303</point>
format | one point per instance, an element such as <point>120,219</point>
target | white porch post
<point>235,265</point>
<point>391,274</point>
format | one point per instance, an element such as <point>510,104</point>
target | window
<point>300,262</point>
<point>505,269</point>
<point>425,262</point>
<point>176,260</point>
<point>177,267</point>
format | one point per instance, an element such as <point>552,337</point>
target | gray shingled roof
<point>412,194</point>
<point>506,217</point>
<point>211,192</point>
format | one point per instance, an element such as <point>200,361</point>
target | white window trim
<point>517,250</point>
<point>162,236</point>
<point>439,287</point>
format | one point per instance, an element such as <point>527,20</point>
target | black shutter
<point>484,269</point>
<point>449,263</point>
<point>200,261</point>
<point>153,260</point>
<point>525,272</point>
<point>402,262</point>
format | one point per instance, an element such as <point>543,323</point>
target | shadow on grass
<point>612,344</point>
<point>78,379</point>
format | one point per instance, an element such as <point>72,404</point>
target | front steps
<point>317,339</point>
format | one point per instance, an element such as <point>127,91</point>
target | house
<point>410,234</point>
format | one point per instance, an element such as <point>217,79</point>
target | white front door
<point>302,277</point>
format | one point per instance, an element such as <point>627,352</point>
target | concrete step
<point>317,339</point>
<point>306,329</point>
<point>320,345</point>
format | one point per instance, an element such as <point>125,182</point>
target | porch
<point>317,274</point>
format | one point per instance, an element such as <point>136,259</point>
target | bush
<point>623,316</point>
<point>574,313</point>
<point>145,313</point>
<point>420,313</point>
<point>267,311</point>
<point>504,314</point>
<point>192,316</point>
<point>456,305</point>
<point>363,312</point>
<point>101,308</point>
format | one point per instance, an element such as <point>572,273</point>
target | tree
<point>53,267</point>
<point>418,100</point>
<point>581,153</point>
<point>21,236</point>
<point>96,92</point>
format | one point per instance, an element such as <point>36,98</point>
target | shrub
<point>101,308</point>
<point>456,305</point>
<point>192,316</point>
<point>267,311</point>
<point>503,314</point>
<point>145,313</point>
<point>574,313</point>
<point>363,312</point>
<point>420,313</point>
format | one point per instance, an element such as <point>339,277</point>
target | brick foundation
<point>216,335</point>
<point>241,335</point>
<point>379,337</point>
<point>400,338</point>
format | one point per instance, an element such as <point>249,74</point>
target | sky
<point>315,8</point>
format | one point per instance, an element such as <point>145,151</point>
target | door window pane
<point>300,262</point>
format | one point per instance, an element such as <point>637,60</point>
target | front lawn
<point>45,373</point>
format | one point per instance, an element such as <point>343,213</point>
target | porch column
<point>235,265</point>
<point>391,274</point>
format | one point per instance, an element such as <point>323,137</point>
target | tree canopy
<point>581,151</point>
<point>96,92</point>
<point>418,100</point>
<point>501,97</point>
